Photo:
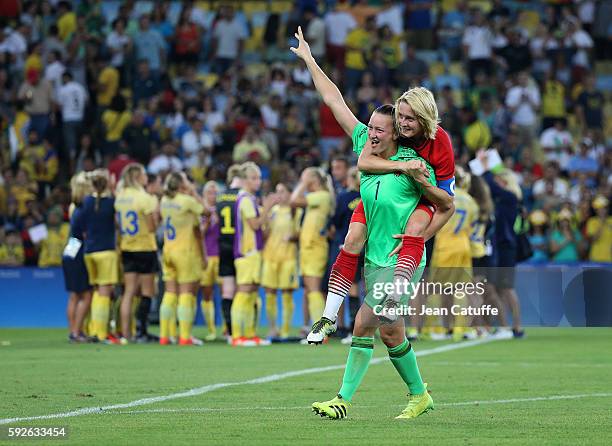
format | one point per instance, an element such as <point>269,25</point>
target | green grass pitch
<point>552,388</point>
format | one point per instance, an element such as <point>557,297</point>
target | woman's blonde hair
<point>248,166</point>
<point>423,104</point>
<point>209,184</point>
<point>234,171</point>
<point>353,174</point>
<point>80,187</point>
<point>173,184</point>
<point>130,176</point>
<point>480,191</point>
<point>511,181</point>
<point>463,178</point>
<point>325,180</point>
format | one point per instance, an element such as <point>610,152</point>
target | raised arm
<point>326,88</point>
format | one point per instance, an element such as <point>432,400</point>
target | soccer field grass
<point>553,387</point>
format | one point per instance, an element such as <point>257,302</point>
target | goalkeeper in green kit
<point>388,201</point>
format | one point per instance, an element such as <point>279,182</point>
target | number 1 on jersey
<point>377,187</point>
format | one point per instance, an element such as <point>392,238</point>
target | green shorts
<point>379,283</point>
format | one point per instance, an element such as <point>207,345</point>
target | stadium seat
<point>254,7</point>
<point>280,6</point>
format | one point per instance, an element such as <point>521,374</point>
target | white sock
<point>332,306</point>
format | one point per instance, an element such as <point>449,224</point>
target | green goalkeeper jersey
<point>388,201</point>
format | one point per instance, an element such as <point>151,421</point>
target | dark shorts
<point>505,263</point>
<point>483,267</point>
<point>141,262</point>
<point>76,278</point>
<point>226,261</point>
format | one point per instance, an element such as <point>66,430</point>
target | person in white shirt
<point>477,46</point>
<point>338,24</point>
<point>72,99</point>
<point>551,184</point>
<point>196,139</point>
<point>54,70</point>
<point>557,143</point>
<point>271,112</point>
<point>166,161</point>
<point>228,39</point>
<point>523,101</point>
<point>391,15</point>
<point>315,33</point>
<point>118,43</point>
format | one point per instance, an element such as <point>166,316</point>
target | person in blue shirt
<point>506,194</point>
<point>76,278</point>
<point>101,259</point>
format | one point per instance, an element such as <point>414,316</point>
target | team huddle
<point>231,238</point>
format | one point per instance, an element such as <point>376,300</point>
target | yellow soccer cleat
<point>417,405</point>
<point>335,409</point>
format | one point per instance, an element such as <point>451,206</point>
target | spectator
<point>118,163</point>
<point>338,24</point>
<point>580,43</point>
<point>114,120</point>
<point>523,101</point>
<point>515,56</point>
<point>72,98</point>
<point>419,23</point>
<point>476,133</point>
<point>228,40</point>
<point>212,118</point>
<point>451,30</point>
<point>477,48</point>
<point>339,171</point>
<point>557,143</point>
<point>584,163</point>
<point>315,33</point>
<point>67,20</point>
<point>332,135</point>
<point>186,41</point>
<point>23,189</point>
<point>146,84</point>
<point>120,45</point>
<point>271,112</point>
<point>107,84</point>
<point>538,236</point>
<point>137,138</point>
<point>196,139</point>
<point>551,188</point>
<point>52,42</point>
<point>391,14</point>
<point>41,163</point>
<point>38,97</point>
<point>565,241</point>
<point>249,146</point>
<point>150,45</point>
<point>166,161</point>
<point>599,231</point>
<point>11,249</point>
<point>52,247</point>
<point>590,106</point>
<point>553,101</point>
<point>359,42</point>
<point>362,10</point>
<point>54,70</point>
<point>412,71</point>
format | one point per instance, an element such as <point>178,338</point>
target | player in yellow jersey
<point>183,256</point>
<point>137,216</point>
<point>452,254</point>
<point>279,270</point>
<point>248,245</point>
<point>315,193</point>
<point>210,275</point>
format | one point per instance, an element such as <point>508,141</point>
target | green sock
<point>404,360</point>
<point>357,363</point>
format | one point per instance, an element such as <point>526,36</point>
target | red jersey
<point>439,154</point>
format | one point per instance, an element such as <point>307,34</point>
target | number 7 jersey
<point>131,209</point>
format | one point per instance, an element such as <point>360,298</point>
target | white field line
<point>211,387</point>
<point>458,403</point>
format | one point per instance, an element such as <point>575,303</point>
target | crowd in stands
<point>196,86</point>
